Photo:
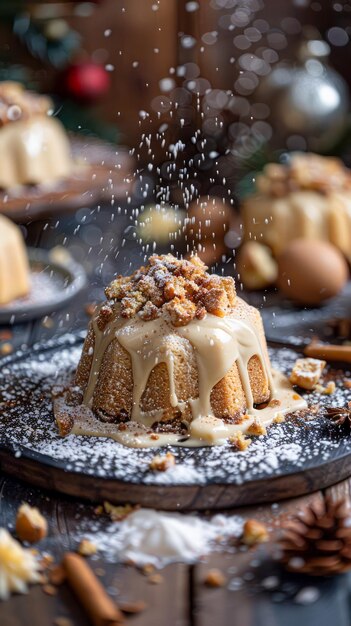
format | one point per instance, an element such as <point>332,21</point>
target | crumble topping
<point>16,103</point>
<point>304,172</point>
<point>181,288</point>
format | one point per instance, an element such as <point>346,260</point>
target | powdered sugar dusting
<point>28,428</point>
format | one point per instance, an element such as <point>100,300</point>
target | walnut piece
<point>307,372</point>
<point>254,532</point>
<point>31,526</point>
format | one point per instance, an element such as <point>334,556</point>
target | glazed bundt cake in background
<point>308,197</point>
<point>34,148</point>
<point>14,266</point>
<point>173,351</point>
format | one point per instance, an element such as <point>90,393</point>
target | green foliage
<point>84,120</point>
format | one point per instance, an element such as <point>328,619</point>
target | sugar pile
<point>148,536</point>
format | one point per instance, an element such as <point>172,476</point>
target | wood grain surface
<point>181,598</point>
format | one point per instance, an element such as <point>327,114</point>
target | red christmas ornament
<point>87,81</point>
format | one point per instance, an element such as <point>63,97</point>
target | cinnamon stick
<point>100,608</point>
<point>328,352</point>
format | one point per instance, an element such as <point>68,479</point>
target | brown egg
<point>311,271</point>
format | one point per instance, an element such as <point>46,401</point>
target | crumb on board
<point>161,463</point>
<point>306,373</point>
<point>215,578</point>
<point>254,532</point>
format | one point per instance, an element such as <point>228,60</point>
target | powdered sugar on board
<point>27,428</point>
<point>147,536</point>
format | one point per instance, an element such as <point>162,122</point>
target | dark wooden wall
<point>151,38</point>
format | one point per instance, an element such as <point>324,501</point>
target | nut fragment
<point>215,578</point>
<point>30,524</point>
<point>6,348</point>
<point>148,569</point>
<point>254,532</point>
<point>328,390</point>
<point>278,418</point>
<point>257,429</point>
<point>239,441</point>
<point>155,579</point>
<point>162,463</point>
<point>118,513</point>
<point>307,372</point>
<point>87,548</point>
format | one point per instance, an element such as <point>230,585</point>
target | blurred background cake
<point>14,266</point>
<point>308,197</point>
<point>34,147</point>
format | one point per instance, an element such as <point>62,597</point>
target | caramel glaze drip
<point>218,343</point>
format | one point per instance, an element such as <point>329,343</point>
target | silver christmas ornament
<point>308,101</point>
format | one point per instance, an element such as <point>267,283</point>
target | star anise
<point>340,416</point>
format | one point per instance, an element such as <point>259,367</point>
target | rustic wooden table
<point>258,593</point>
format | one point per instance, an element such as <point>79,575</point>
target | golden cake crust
<point>113,394</point>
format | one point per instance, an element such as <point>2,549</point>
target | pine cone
<point>318,541</point>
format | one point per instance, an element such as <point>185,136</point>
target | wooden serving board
<point>295,458</point>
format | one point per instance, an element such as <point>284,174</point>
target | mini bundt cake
<point>34,148</point>
<point>14,266</point>
<point>173,351</point>
<point>308,197</point>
